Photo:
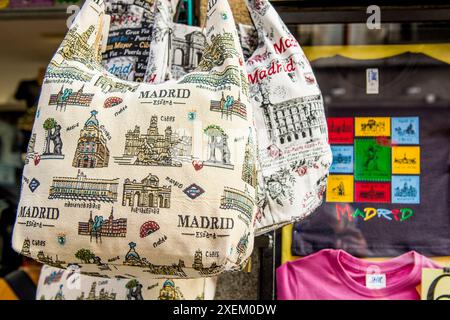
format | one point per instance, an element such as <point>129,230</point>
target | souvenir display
<point>336,275</point>
<point>121,201</point>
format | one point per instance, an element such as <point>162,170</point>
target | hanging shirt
<point>337,275</point>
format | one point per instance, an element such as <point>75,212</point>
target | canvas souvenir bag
<point>133,179</point>
<point>294,154</point>
<point>69,284</point>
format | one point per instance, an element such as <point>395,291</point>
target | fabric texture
<point>122,191</point>
<point>69,284</point>
<point>336,275</point>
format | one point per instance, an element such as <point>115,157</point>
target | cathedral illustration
<point>249,165</point>
<point>155,149</point>
<point>91,151</point>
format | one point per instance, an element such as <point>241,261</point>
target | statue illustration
<point>53,136</point>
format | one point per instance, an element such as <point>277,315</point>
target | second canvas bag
<point>294,155</point>
<point>129,179</point>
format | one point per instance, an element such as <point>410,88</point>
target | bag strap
<point>22,285</point>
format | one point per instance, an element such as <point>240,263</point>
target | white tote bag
<point>294,154</point>
<point>132,179</point>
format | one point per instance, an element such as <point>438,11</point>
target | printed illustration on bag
<point>53,142</point>
<point>53,277</point>
<point>65,73</point>
<point>148,228</point>
<point>146,196</point>
<point>242,248</point>
<point>233,199</point>
<point>132,258</point>
<point>109,85</point>
<point>170,292</point>
<point>134,290</point>
<point>213,269</point>
<point>34,184</point>
<point>219,80</point>
<point>75,47</point>
<point>48,260</point>
<point>26,248</point>
<point>215,53</point>
<point>249,165</point>
<point>217,141</point>
<point>67,96</point>
<point>296,119</point>
<point>82,188</point>
<point>193,191</point>
<point>91,151</point>
<point>278,187</point>
<point>102,294</point>
<point>229,106</point>
<point>31,153</point>
<point>99,227</point>
<point>155,149</point>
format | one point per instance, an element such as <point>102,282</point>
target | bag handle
<point>90,19</point>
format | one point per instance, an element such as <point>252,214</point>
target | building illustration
<point>30,149</point>
<point>76,47</point>
<point>233,199</point>
<point>132,258</point>
<point>241,248</point>
<point>217,141</point>
<point>229,106</point>
<point>99,227</point>
<point>155,149</point>
<point>214,54</point>
<point>26,247</point>
<point>82,188</point>
<point>102,295</point>
<point>146,193</point>
<point>110,86</point>
<point>295,119</point>
<point>187,52</point>
<point>405,191</point>
<point>91,151</point>
<point>47,259</point>
<point>249,165</point>
<point>170,292</point>
<point>206,271</point>
<point>67,97</point>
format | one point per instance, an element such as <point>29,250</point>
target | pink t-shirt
<point>337,275</point>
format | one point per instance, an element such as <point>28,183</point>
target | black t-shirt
<point>388,189</point>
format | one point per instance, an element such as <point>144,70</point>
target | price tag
<point>372,81</point>
<point>376,281</point>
